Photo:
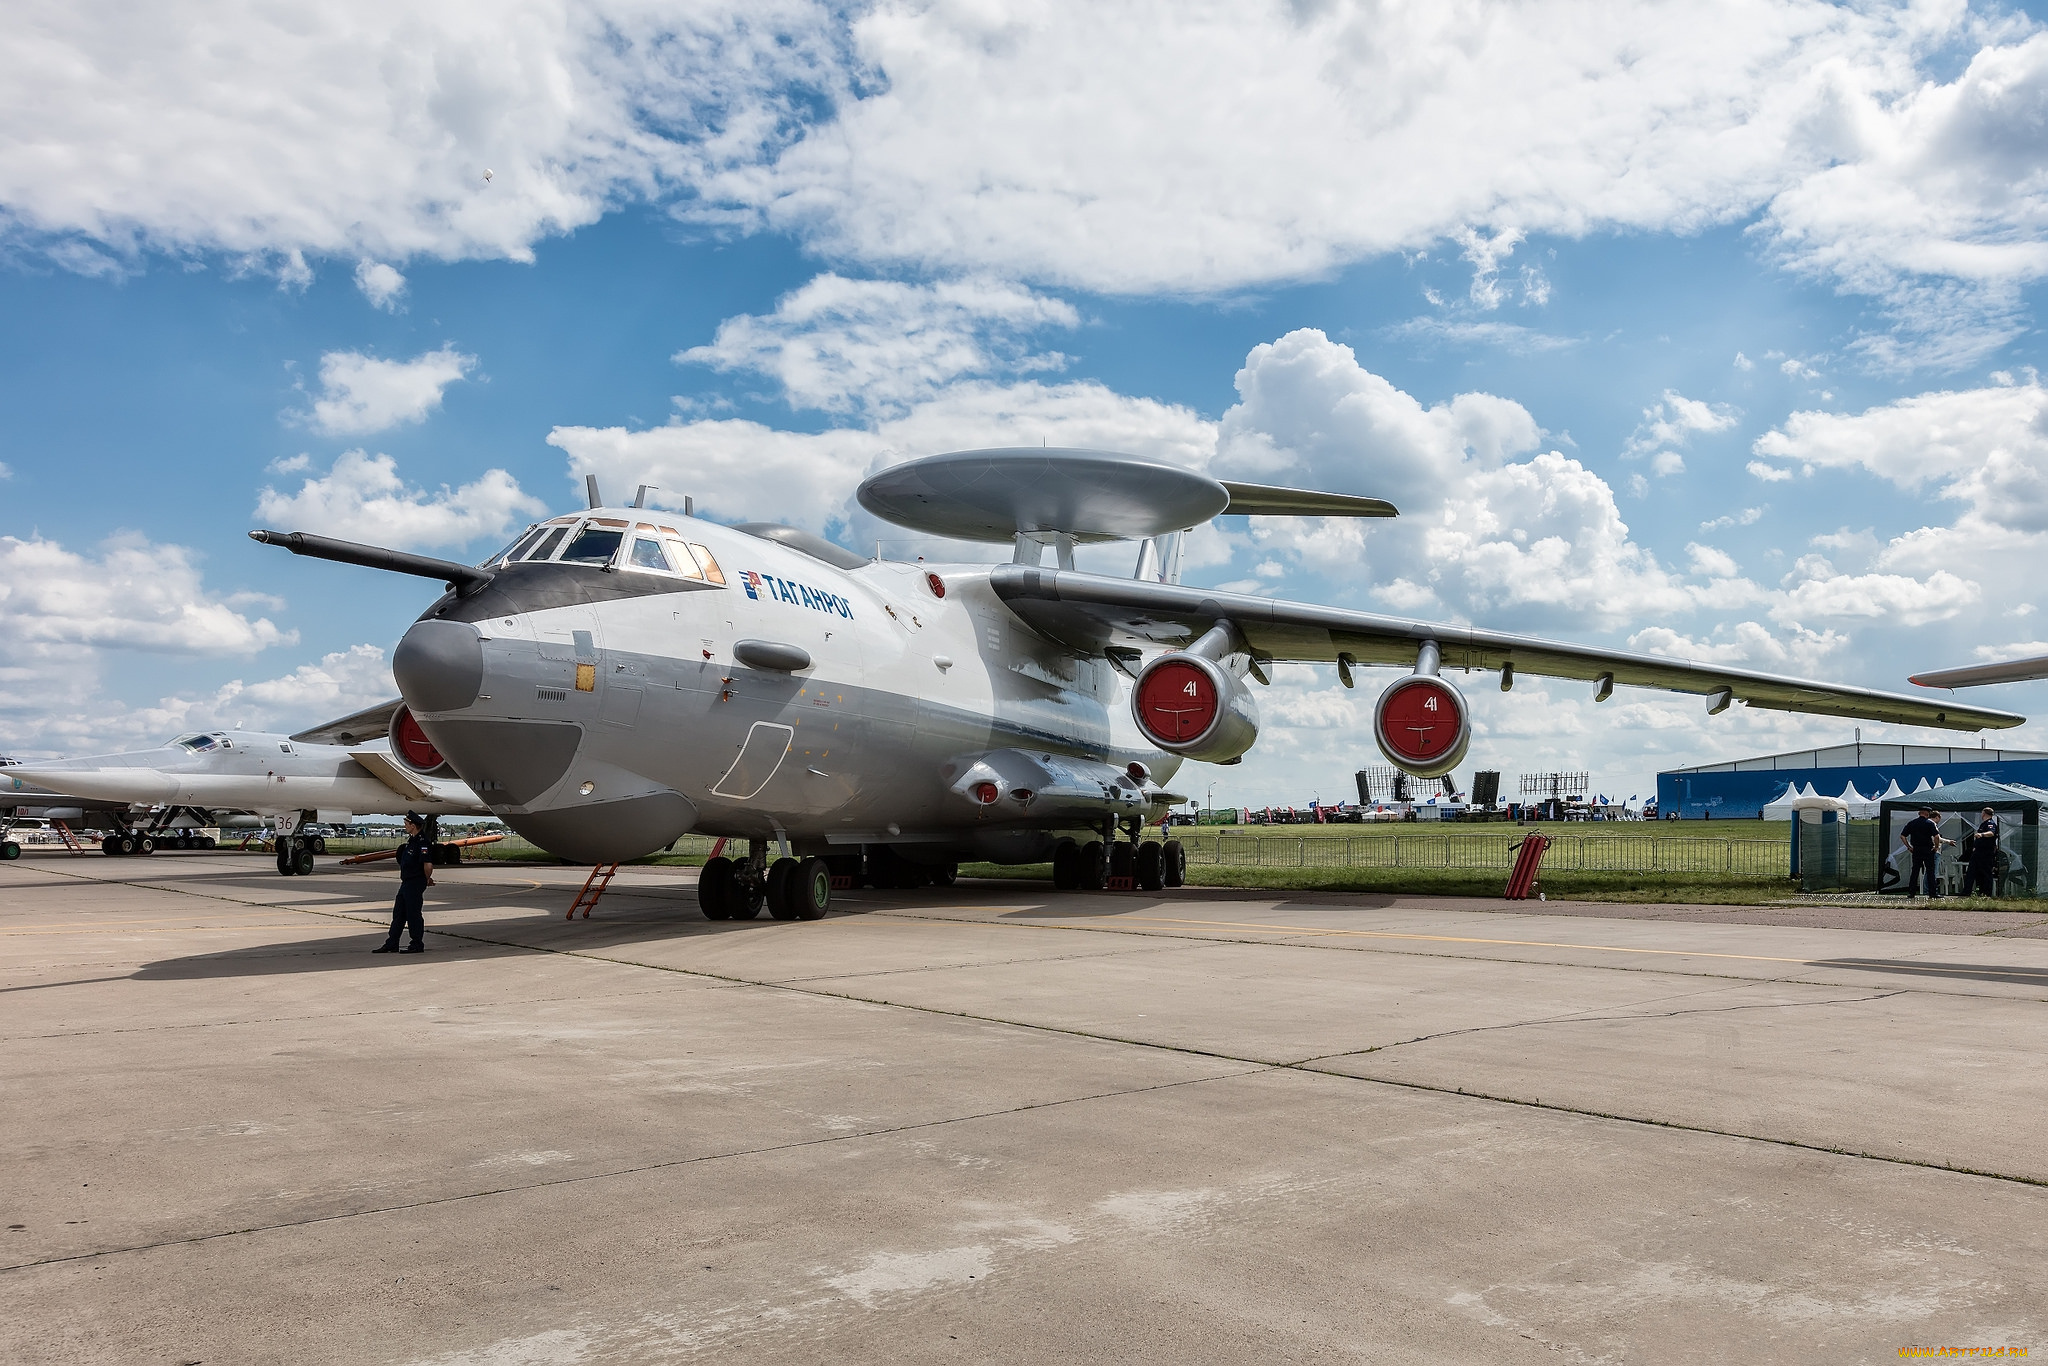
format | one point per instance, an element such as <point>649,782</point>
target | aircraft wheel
<point>714,888</point>
<point>1094,867</point>
<point>1123,859</point>
<point>124,844</point>
<point>1174,863</point>
<point>302,861</point>
<point>810,889</point>
<point>782,896</point>
<point>749,891</point>
<point>318,844</point>
<point>945,875</point>
<point>208,842</point>
<point>284,861</point>
<point>1066,866</point>
<point>145,844</point>
<point>1151,865</point>
<point>9,851</point>
<point>111,845</point>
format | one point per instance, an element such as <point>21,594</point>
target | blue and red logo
<point>760,586</point>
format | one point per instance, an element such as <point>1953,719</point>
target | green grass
<point>1633,887</point>
<point>1676,830</point>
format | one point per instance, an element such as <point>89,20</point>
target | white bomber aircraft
<point>620,676</point>
<point>288,779</point>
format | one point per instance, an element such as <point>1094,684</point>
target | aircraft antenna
<point>590,490</point>
<point>640,498</point>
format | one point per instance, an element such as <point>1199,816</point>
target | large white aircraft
<point>622,675</point>
<point>1977,675</point>
<point>290,780</point>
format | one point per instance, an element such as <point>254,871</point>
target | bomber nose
<point>439,665</point>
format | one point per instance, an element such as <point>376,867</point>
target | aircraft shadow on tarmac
<point>1971,972</point>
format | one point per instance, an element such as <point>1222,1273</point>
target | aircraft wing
<point>385,770</point>
<point>1094,612</point>
<point>371,723</point>
<point>1971,675</point>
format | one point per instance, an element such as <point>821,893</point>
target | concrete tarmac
<point>991,1123</point>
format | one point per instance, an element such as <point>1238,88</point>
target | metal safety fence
<point>1481,852</point>
<point>1495,852</point>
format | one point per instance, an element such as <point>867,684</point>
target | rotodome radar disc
<point>992,495</point>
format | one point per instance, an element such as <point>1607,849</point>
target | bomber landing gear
<point>730,889</point>
<point>791,888</point>
<point>294,858</point>
<point>1151,866</point>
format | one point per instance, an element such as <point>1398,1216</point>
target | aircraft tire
<point>1174,864</point>
<point>124,844</point>
<point>208,842</point>
<point>749,891</point>
<point>284,861</point>
<point>1094,867</point>
<point>9,851</point>
<point>782,895</point>
<point>714,888</point>
<point>318,844</point>
<point>145,844</point>
<point>811,889</point>
<point>1066,866</point>
<point>1151,865</point>
<point>945,875</point>
<point>110,846</point>
<point>302,861</point>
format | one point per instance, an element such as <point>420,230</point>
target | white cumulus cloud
<point>362,498</point>
<point>133,594</point>
<point>361,394</point>
<point>843,345</point>
<point>381,284</point>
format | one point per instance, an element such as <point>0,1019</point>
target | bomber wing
<point>1093,612</point>
<point>1975,675</point>
<point>371,723</point>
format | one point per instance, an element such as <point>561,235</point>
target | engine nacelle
<point>1194,707</point>
<point>1422,724</point>
<point>413,750</point>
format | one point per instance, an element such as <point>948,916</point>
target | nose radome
<point>439,665</point>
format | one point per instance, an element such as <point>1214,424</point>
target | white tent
<point>1924,785</point>
<point>1779,808</point>
<point>1861,808</point>
<point>1889,793</point>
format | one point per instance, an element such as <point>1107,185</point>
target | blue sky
<point>1710,333</point>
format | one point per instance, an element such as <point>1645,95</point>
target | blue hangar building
<point>1740,789</point>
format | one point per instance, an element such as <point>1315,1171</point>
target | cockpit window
<point>593,546</point>
<point>194,742</point>
<point>679,555</point>
<point>711,569</point>
<point>518,547</point>
<point>547,544</point>
<point>647,555</point>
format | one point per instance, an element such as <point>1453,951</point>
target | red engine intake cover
<point>413,745</point>
<point>1420,720</point>
<point>1177,702</point>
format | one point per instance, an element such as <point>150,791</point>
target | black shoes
<point>416,948</point>
<point>385,948</point>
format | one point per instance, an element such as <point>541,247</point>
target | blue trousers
<point>407,912</point>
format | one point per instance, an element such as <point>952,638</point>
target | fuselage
<point>265,774</point>
<point>688,676</point>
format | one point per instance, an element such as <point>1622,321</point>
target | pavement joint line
<point>1302,1066</point>
<point>1582,1017</point>
<point>1251,1069</point>
<point>1295,941</point>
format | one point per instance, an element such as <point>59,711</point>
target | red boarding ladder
<point>1522,881</point>
<point>70,840</point>
<point>593,888</point>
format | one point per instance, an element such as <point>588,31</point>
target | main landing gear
<point>790,888</point>
<point>295,856</point>
<point>1110,863</point>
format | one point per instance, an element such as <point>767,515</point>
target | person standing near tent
<point>1924,838</point>
<point>1983,853</point>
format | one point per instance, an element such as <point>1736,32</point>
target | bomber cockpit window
<point>593,545</point>
<point>194,742</point>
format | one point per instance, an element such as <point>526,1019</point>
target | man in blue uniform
<point>1983,851</point>
<point>1925,839</point>
<point>415,874</point>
